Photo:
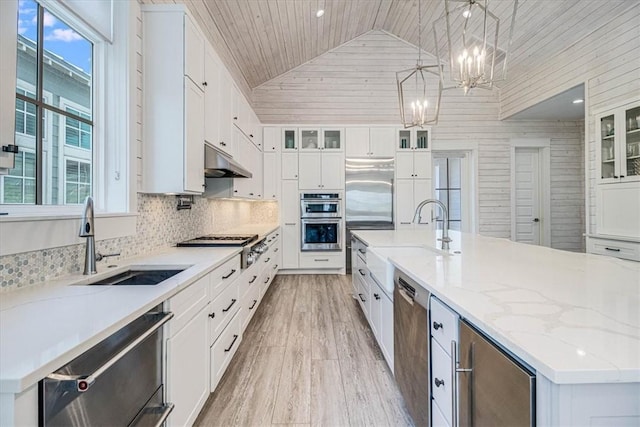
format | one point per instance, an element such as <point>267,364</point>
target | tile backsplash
<point>159,225</point>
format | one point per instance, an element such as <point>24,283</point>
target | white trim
<point>544,147</point>
<point>587,167</point>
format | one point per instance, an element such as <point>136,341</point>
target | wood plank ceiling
<point>270,37</point>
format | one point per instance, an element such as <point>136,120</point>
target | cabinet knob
<point>621,176</point>
<point>437,325</point>
<point>376,296</point>
<point>251,135</point>
<point>212,315</point>
<point>615,176</point>
<point>204,83</point>
<point>235,118</point>
<point>439,382</point>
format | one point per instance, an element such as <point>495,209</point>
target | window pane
<point>26,48</point>
<point>83,192</point>
<point>85,140</point>
<point>12,190</point>
<point>455,208</point>
<point>440,172</point>
<point>85,173</point>
<point>30,164</point>
<point>72,137</point>
<point>18,165</point>
<point>68,63</point>
<point>30,191</point>
<point>455,165</point>
<point>72,171</point>
<point>71,193</point>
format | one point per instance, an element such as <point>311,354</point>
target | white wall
<point>355,83</point>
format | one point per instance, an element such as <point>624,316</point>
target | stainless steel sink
<point>137,277</point>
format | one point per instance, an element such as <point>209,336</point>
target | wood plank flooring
<point>307,358</point>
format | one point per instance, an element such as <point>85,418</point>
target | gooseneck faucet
<point>445,227</point>
<point>87,230</point>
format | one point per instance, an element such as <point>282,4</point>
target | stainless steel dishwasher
<point>118,382</point>
<point>411,346</point>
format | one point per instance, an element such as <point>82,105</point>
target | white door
<point>357,142</point>
<point>194,138</point>
<point>422,165</point>
<point>404,202</point>
<point>421,191</point>
<point>310,171</point>
<point>527,193</point>
<point>290,165</point>
<point>211,98</point>
<point>382,142</point>
<point>332,171</point>
<point>404,165</point>
<point>270,175</point>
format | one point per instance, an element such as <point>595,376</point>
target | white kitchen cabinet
<point>413,139</point>
<point>321,170</point>
<point>194,49</point>
<point>225,136</point>
<point>8,34</point>
<point>290,140</point>
<point>370,142</point>
<point>386,327</point>
<point>174,103</point>
<point>618,144</point>
<point>409,193</point>
<point>290,215</point>
<point>211,98</point>
<point>223,350</point>
<point>413,165</point>
<point>321,139</point>
<point>290,165</point>
<point>271,174</point>
<point>187,370</point>
<point>271,139</point>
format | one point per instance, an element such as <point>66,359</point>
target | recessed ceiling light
<point>466,13</point>
<point>578,101</point>
<point>319,13</point>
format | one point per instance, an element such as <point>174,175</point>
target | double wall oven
<point>321,221</point>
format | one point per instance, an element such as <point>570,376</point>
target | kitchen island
<point>573,318</point>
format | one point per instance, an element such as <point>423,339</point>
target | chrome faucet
<point>87,230</point>
<point>445,227</point>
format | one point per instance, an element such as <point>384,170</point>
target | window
<point>448,188</point>
<point>19,186</point>
<point>77,178</point>
<point>54,89</point>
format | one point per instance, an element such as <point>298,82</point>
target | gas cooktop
<point>221,240</point>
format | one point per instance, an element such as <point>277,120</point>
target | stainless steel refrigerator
<point>368,196</point>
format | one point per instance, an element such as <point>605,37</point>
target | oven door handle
<point>321,220</point>
<point>82,383</point>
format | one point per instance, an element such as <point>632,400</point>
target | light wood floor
<point>308,357</point>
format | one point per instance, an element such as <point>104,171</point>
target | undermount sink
<point>137,277</point>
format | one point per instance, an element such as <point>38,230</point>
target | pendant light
<point>417,106</point>
<point>472,36</point>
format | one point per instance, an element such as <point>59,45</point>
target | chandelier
<point>415,109</point>
<point>472,37</point>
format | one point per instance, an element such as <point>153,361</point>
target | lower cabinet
<point>187,368</point>
<point>224,348</point>
<point>320,260</point>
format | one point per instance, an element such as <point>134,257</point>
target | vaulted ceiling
<point>267,38</point>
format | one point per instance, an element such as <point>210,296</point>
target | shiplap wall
<point>355,83</point>
<point>607,61</point>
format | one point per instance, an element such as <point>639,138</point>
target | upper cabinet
<point>245,119</point>
<point>413,139</point>
<point>618,151</point>
<point>369,142</point>
<point>174,101</point>
<point>290,139</point>
<point>321,139</point>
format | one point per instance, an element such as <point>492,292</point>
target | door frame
<point>544,148</point>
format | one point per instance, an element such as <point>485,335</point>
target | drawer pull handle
<point>275,266</point>
<point>267,260</point>
<point>361,271</point>
<point>321,259</point>
<point>376,296</point>
<point>362,298</point>
<point>613,249</point>
<point>276,250</point>
<point>362,251</point>
<point>253,279</point>
<point>230,274</point>
<point>439,382</point>
<point>255,301</point>
<point>289,223</point>
<point>267,281</point>
<point>226,350</point>
<point>233,301</point>
<point>212,315</point>
<point>437,325</point>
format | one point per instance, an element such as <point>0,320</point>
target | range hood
<point>218,164</point>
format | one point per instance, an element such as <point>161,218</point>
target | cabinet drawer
<point>322,260</point>
<point>438,420</point>
<point>250,304</point>
<point>248,280</point>
<point>616,248</point>
<point>223,275</point>
<point>265,280</point>
<point>223,350</point>
<point>363,296</point>
<point>441,379</point>
<point>222,309</point>
<point>444,324</point>
<point>187,303</point>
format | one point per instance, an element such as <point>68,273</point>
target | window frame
<point>22,152</point>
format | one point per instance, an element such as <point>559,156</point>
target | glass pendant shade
<point>419,104</point>
<point>475,40</point>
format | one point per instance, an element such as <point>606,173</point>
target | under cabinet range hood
<point>218,164</point>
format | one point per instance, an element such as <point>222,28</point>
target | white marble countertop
<point>44,327</point>
<point>574,318</point>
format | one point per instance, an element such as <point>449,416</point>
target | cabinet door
<point>188,370</point>
<point>332,170</point>
<point>422,165</point>
<point>290,166</point>
<point>423,140</point>
<point>422,191</point>
<point>8,33</point>
<point>310,139</point>
<point>194,138</point>
<point>404,165</point>
<point>386,329</point>
<point>310,171</point>
<point>357,142</point>
<point>375,298</point>
<point>290,139</point>
<point>404,201</point>
<point>193,52</point>
<point>241,185</point>
<point>290,244</point>
<point>211,95</point>
<point>271,176</point>
<point>332,139</point>
<point>271,139</point>
<point>290,207</point>
<point>630,145</point>
<point>382,140</point>
<point>225,88</point>
<point>405,139</point>
<point>255,165</point>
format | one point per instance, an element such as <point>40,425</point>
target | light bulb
<point>319,13</point>
<point>425,104</point>
<point>466,13</point>
<point>476,51</point>
<point>465,54</point>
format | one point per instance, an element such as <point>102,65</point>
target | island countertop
<point>573,317</point>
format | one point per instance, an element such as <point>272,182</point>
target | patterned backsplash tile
<point>159,225</point>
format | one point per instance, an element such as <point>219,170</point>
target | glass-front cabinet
<point>289,139</point>
<point>321,139</point>
<point>618,151</point>
<point>413,139</point>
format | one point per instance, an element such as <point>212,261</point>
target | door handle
<point>226,350</point>
<point>233,301</point>
<point>536,219</point>
<point>454,381</point>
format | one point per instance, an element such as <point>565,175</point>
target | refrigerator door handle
<point>454,381</point>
